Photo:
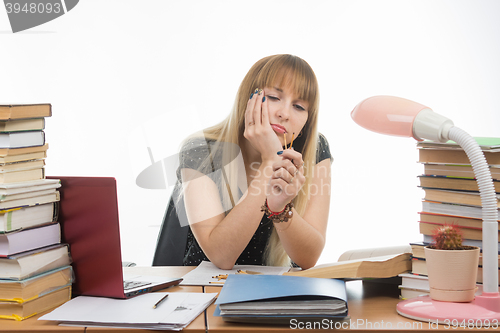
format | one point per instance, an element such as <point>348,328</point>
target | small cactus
<point>447,237</point>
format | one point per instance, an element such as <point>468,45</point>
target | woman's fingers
<point>254,111</point>
<point>283,174</point>
<point>249,112</point>
<point>258,130</point>
<point>265,111</point>
<point>257,109</point>
<point>291,161</point>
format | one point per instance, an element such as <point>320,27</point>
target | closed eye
<point>274,98</point>
<point>299,107</point>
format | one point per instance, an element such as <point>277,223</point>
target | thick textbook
<point>365,263</point>
<point>17,125</point>
<point>249,297</point>
<point>23,265</point>
<point>35,199</point>
<point>456,170</point>
<point>29,239</point>
<point>476,233</point>
<point>26,217</point>
<point>22,176</point>
<point>25,111</point>
<point>36,286</point>
<point>455,197</point>
<point>13,155</point>
<point>450,219</point>
<point>22,139</point>
<point>452,183</point>
<point>21,311</point>
<point>5,152</point>
<point>22,165</point>
<point>442,208</point>
<point>28,187</point>
<point>453,156</point>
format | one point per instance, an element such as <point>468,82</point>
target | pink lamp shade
<point>387,115</point>
<point>401,117</point>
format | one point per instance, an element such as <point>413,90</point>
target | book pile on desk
<point>35,271</point>
<point>451,196</point>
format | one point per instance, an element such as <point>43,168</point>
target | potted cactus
<point>452,267</point>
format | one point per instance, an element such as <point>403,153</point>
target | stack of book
<point>35,271</point>
<point>451,196</point>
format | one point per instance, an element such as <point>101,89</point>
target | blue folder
<point>244,288</point>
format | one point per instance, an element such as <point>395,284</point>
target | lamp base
<point>483,310</point>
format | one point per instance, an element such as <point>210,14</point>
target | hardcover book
<point>25,111</point>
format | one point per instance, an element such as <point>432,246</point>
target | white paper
<point>177,310</point>
<point>203,274</point>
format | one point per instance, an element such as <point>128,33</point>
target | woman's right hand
<point>258,130</point>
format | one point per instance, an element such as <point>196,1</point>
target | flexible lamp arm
<point>489,203</point>
<point>402,117</point>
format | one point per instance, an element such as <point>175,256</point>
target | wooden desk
<point>34,325</point>
<point>372,306</point>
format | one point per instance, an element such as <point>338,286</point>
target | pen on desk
<point>159,302</point>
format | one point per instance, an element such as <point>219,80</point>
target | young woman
<point>249,194</point>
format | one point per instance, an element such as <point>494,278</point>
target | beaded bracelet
<point>278,217</point>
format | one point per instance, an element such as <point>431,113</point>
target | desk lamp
<point>402,117</point>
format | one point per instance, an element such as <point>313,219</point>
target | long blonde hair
<point>282,70</point>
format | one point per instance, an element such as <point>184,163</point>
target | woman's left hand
<point>286,181</point>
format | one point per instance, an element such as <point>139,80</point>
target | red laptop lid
<point>89,221</point>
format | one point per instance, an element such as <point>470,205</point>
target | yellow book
<point>21,291</point>
<point>20,311</point>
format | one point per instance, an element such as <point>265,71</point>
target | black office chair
<point>172,239</point>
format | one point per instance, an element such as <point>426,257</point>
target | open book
<point>365,263</point>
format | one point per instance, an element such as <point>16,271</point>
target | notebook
<point>88,214</point>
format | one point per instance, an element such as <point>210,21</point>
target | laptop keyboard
<point>127,285</point>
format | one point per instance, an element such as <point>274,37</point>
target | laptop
<point>88,214</point>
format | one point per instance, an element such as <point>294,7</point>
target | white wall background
<point>125,75</point>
